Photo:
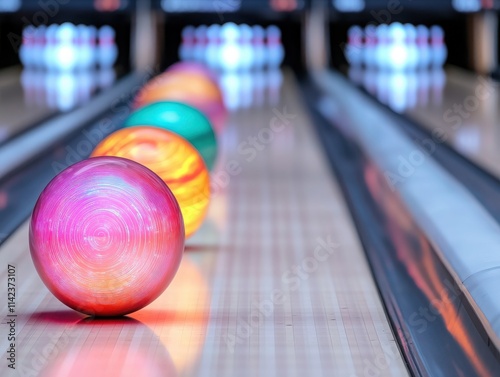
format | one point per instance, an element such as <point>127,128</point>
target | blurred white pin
<point>423,47</point>
<point>200,43</point>
<point>411,46</point>
<point>438,47</point>
<point>186,50</point>
<point>230,54</point>
<point>370,47</point>
<point>258,46</point>
<point>212,50</point>
<point>398,54</point>
<point>85,46</point>
<point>354,49</point>
<point>107,51</point>
<point>39,44</point>
<point>65,51</point>
<point>246,50</point>
<point>26,49</point>
<point>382,49</point>
<point>50,46</point>
<point>275,51</point>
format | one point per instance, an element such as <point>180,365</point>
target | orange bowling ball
<point>173,159</point>
<point>192,88</point>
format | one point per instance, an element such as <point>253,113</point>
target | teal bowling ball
<point>183,120</point>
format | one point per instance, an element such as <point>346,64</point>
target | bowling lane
<point>467,111</point>
<point>28,97</point>
<point>18,112</point>
<point>454,103</point>
<point>274,283</point>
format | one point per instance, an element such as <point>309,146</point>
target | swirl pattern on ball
<point>106,236</point>
<point>175,161</point>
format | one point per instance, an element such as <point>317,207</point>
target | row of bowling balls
<point>183,104</point>
<point>107,234</point>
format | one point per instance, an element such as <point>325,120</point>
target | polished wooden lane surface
<point>19,108</point>
<point>274,283</point>
<point>27,97</point>
<point>467,113</point>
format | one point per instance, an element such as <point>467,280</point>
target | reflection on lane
<point>30,96</point>
<point>462,107</point>
<point>402,90</point>
<point>179,317</point>
<point>104,348</point>
<point>63,90</point>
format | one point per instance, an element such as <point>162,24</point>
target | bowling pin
<point>200,43</point>
<point>186,49</point>
<point>93,47</point>
<point>48,53</point>
<point>382,47</point>
<point>212,50</point>
<point>25,51</point>
<point>83,47</point>
<point>438,47</point>
<point>275,51</point>
<point>397,57</point>
<point>65,53</point>
<point>411,46</point>
<point>423,47</point>
<point>369,50</point>
<point>258,47</point>
<point>354,48</point>
<point>230,53</point>
<point>39,45</point>
<point>107,51</point>
<point>246,51</point>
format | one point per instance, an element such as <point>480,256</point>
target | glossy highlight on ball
<point>106,236</point>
